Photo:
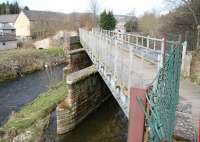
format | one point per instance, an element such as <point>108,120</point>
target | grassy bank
<point>21,61</point>
<point>34,116</point>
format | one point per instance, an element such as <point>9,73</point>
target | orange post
<point>136,116</point>
<point>199,132</point>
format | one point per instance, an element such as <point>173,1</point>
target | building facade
<point>7,23</point>
<point>36,24</point>
<point>8,42</point>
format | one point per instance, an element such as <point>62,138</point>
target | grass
<point>15,53</point>
<point>30,115</point>
<point>27,61</point>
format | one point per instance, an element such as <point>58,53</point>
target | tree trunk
<point>198,36</point>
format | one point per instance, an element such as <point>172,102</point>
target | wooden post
<point>136,116</point>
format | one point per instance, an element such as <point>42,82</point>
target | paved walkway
<point>190,92</point>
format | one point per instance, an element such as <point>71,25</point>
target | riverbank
<point>16,62</point>
<point>31,120</point>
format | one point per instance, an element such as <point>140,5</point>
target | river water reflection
<point>107,124</point>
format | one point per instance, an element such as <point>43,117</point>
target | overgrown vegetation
<point>34,115</point>
<point>19,61</point>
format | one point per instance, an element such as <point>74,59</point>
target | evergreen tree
<point>9,8</point>
<point>26,8</point>
<point>107,20</point>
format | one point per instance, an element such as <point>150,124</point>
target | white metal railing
<point>114,55</point>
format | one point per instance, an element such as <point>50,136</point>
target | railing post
<point>183,54</point>
<point>148,42</point>
<point>137,42</point>
<point>116,56</point>
<point>154,45</point>
<point>162,52</point>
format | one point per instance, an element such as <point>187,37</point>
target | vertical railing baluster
<point>147,42</point>
<point>162,52</point>
<point>154,45</point>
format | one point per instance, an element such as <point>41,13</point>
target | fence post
<point>136,116</point>
<point>183,55</point>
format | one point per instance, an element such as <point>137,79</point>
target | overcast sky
<point>120,7</point>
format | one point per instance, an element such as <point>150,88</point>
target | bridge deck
<point>122,65</point>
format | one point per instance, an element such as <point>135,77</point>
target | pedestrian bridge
<point>143,75</point>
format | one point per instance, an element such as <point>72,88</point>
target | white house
<point>7,23</point>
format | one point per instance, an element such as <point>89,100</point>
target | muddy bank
<point>15,63</point>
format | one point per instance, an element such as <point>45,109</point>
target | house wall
<point>8,45</point>
<point>22,26</point>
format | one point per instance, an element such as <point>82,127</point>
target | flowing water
<point>107,124</point>
<point>16,93</point>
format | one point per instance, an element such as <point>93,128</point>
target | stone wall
<point>86,92</point>
<point>184,129</point>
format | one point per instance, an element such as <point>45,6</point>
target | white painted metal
<point>121,60</point>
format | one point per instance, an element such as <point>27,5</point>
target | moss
<point>37,110</point>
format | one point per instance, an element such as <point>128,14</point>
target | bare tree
<point>94,7</point>
<point>193,7</point>
<point>149,23</point>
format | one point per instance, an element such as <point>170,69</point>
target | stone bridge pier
<point>86,89</point>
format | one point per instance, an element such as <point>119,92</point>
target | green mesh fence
<point>163,97</point>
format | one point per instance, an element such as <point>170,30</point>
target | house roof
<point>34,15</point>
<point>4,38</point>
<point>10,18</point>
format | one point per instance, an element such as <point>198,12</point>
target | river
<point>107,124</point>
<point>16,93</point>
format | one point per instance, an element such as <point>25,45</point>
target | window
<point>4,43</point>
